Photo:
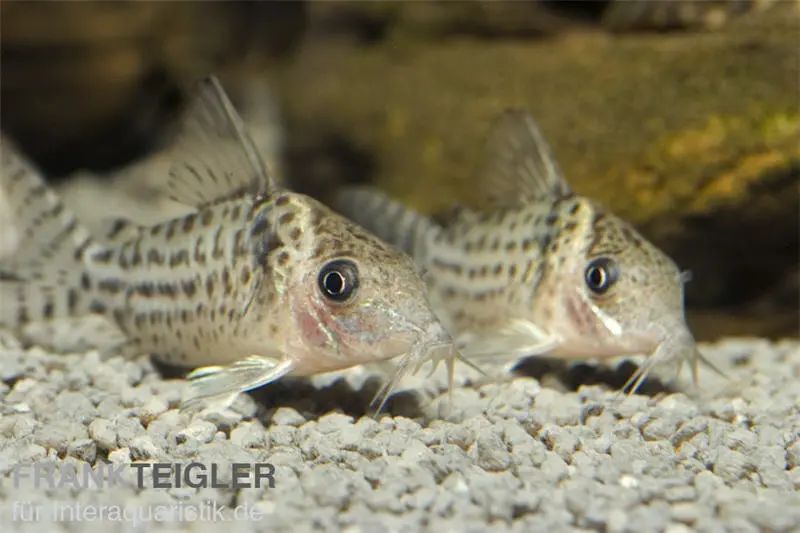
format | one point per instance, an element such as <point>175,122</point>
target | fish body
<point>254,283</point>
<point>538,269</point>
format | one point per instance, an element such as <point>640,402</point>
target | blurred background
<point>681,116</point>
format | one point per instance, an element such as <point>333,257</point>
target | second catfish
<point>538,269</point>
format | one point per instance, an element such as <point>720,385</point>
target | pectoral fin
<point>520,338</point>
<point>213,382</point>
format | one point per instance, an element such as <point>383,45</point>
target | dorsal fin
<point>519,167</point>
<point>211,156</point>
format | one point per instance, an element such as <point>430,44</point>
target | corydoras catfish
<point>538,269</point>
<point>255,283</point>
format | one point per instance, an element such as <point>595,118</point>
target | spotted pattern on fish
<point>255,283</point>
<point>538,269</point>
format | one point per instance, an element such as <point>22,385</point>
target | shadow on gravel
<point>300,394</point>
<point>572,376</point>
<point>312,402</point>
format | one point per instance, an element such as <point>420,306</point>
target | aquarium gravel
<point>523,454</point>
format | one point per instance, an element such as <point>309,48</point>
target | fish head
<point>616,294</point>
<point>354,299</point>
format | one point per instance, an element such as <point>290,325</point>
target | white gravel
<point>521,455</point>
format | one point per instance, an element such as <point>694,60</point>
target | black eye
<point>601,274</point>
<point>338,280</point>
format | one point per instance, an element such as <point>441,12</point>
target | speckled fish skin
<point>539,269</point>
<point>256,283</point>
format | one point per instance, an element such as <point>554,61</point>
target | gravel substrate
<point>525,455</point>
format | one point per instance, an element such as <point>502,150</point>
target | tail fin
<point>44,278</point>
<point>388,219</point>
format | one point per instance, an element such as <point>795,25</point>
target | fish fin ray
<point>211,157</point>
<point>247,374</point>
<point>42,279</point>
<point>519,338</point>
<point>519,165</point>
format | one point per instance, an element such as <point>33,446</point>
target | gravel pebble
<point>102,431</point>
<point>152,409</point>
<point>84,449</point>
<point>490,452</point>
<point>249,435</point>
<point>201,431</point>
<point>286,416</point>
<point>143,447</point>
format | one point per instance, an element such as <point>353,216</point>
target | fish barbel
<point>256,283</point>
<point>538,269</point>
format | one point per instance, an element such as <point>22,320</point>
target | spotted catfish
<point>254,283</point>
<point>539,269</point>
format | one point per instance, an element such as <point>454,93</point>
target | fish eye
<point>338,280</point>
<point>601,274</point>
